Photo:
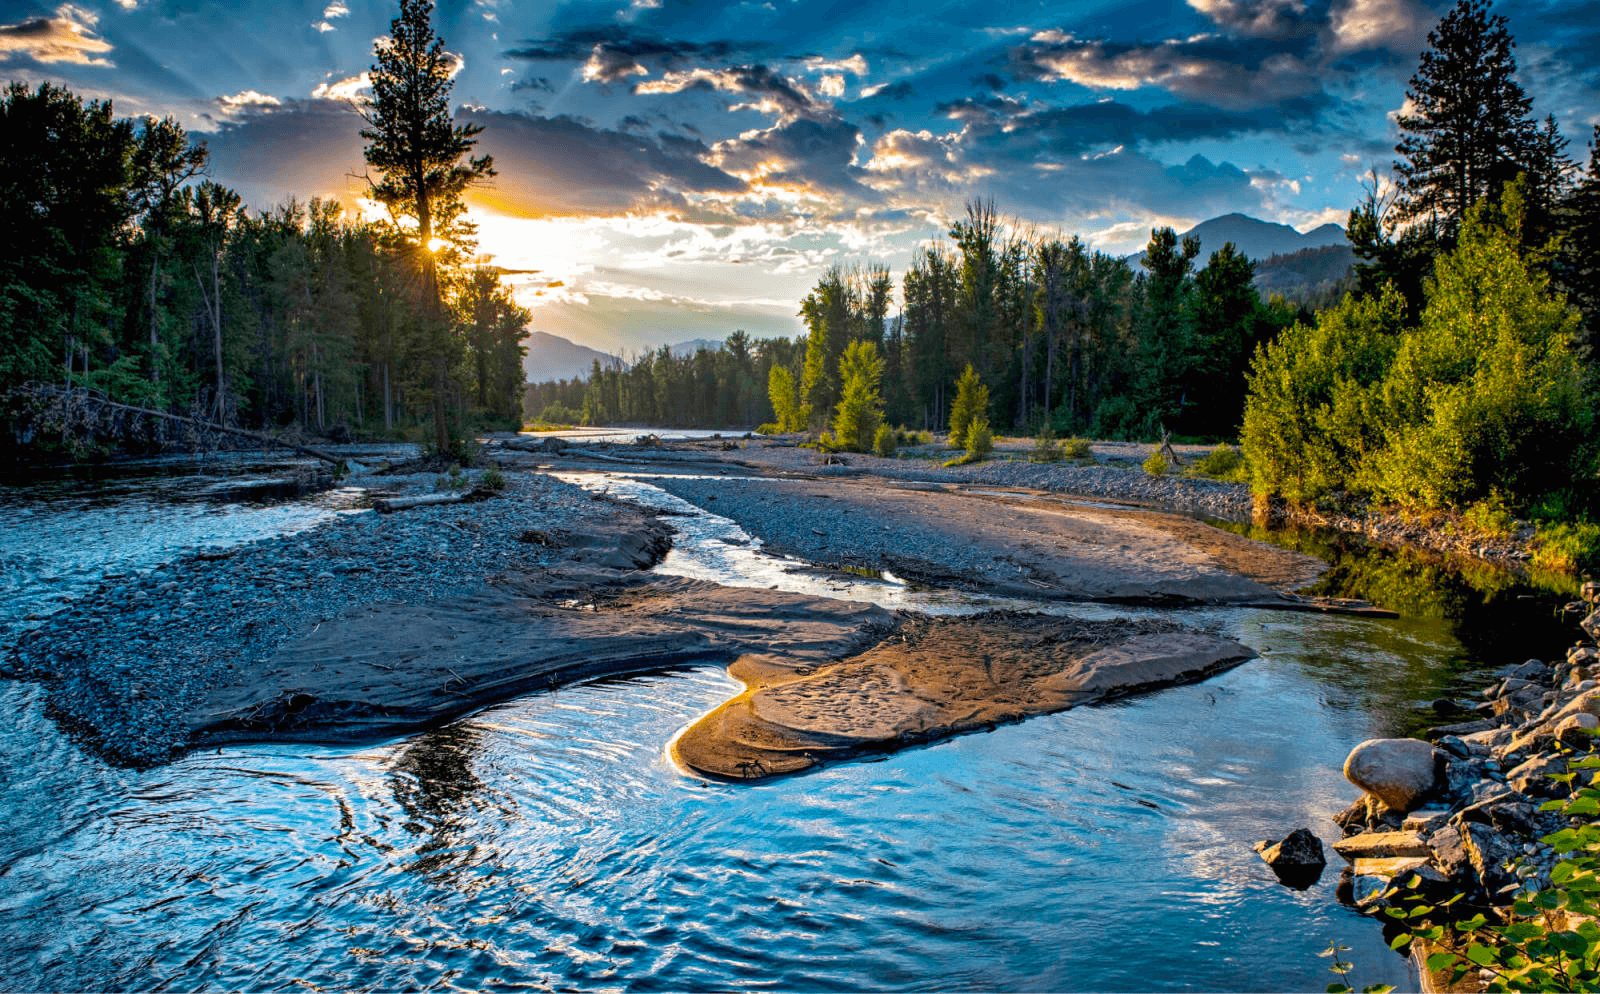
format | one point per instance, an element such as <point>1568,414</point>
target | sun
<point>435,244</point>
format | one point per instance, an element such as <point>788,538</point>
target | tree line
<point>124,269</point>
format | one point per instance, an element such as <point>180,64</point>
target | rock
<point>1582,655</point>
<point>1451,857</point>
<point>1462,728</point>
<point>1533,669</point>
<point>1591,625</point>
<point>1382,871</point>
<point>1353,819</point>
<point>1381,845</point>
<point>1426,819</point>
<point>1574,729</point>
<point>1399,772</point>
<point>1489,851</point>
<point>1532,777</point>
<point>1297,858</point>
<point>1590,592</point>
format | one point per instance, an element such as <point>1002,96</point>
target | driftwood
<point>1167,450</point>
<point>76,405</point>
<point>389,505</point>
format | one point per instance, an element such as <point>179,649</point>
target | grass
<point>1567,547</point>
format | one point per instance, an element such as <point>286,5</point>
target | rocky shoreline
<point>1461,812</point>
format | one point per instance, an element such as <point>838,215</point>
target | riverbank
<point>1468,813</point>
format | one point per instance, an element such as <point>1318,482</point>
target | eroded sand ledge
<point>933,678</point>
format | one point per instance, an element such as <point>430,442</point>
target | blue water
<point>547,843</point>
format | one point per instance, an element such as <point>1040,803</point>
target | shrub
<point>769,429</point>
<point>1077,448</point>
<point>980,440</point>
<point>559,414</point>
<point>885,442</point>
<point>787,407</point>
<point>1156,464</point>
<point>1568,547</point>
<point>1491,517</point>
<point>492,479</point>
<point>1222,463</point>
<point>1044,447</point>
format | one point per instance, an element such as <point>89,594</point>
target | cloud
<point>805,156</point>
<point>855,64</point>
<point>614,52</point>
<point>1193,70</point>
<point>1399,25</point>
<point>331,13</point>
<point>346,89</point>
<point>247,98</point>
<point>767,91</point>
<point>67,37</point>
<point>1258,18</point>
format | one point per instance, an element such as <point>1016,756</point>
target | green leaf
<point>1583,806</point>
<point>1440,960</point>
<point>1562,872</point>
<point>1377,989</point>
<point>1400,940</point>
<point>1480,954</point>
<point>1339,989</point>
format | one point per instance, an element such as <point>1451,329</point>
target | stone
<point>1399,772</point>
<point>1533,669</point>
<point>1590,591</point>
<point>1381,845</point>
<point>1574,729</point>
<point>1582,655</point>
<point>1297,858</point>
<point>1451,857</point>
<point>1591,625</point>
<point>1426,819</point>
<point>1372,878</point>
<point>1489,851</point>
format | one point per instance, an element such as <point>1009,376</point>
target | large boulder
<point>1398,772</point>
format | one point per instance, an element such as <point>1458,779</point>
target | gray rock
<point>1297,858</point>
<point>1490,852</point>
<point>1398,772</point>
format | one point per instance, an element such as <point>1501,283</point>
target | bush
<point>980,440</point>
<point>492,479</point>
<point>884,442</point>
<point>1044,447</point>
<point>454,481</point>
<point>1077,448</point>
<point>1568,547</point>
<point>1222,463</point>
<point>1490,516</point>
<point>860,410</point>
<point>769,429</point>
<point>1156,464</point>
<point>559,414</point>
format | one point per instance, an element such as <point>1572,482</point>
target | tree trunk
<point>388,401</point>
<point>155,336</point>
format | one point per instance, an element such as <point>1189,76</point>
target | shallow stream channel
<point>547,843</point>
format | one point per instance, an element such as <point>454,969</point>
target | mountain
<point>551,357</point>
<point>1295,273</point>
<point>1255,238</point>
<point>694,345</point>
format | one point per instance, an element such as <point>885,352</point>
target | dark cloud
<point>612,53</point>
<point>902,90</point>
<point>813,154</point>
<point>1260,18</point>
<point>301,148</point>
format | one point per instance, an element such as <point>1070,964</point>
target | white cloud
<point>854,64</point>
<point>67,37</point>
<point>331,13</point>
<point>1396,24</point>
<point>832,86</point>
<point>348,88</point>
<point>248,98</point>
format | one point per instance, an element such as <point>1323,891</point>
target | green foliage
<point>1077,448</point>
<point>558,415</point>
<point>1343,968</point>
<point>492,479</point>
<point>1045,448</point>
<point>1568,547</point>
<point>769,429</point>
<point>1550,943</point>
<point>785,398</point>
<point>885,441</point>
<point>971,404</point>
<point>1222,463</point>
<point>980,440</point>
<point>452,481</point>
<point>1156,464</point>
<point>860,410</point>
<point>1483,398</point>
<point>1490,516</point>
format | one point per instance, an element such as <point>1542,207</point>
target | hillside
<point>551,357</point>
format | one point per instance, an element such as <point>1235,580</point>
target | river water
<point>547,843</point>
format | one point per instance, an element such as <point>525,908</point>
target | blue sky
<point>681,169</point>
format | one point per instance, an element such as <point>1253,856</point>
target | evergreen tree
<point>1577,266</point>
<point>860,411</point>
<point>1470,132</point>
<point>416,147</point>
<point>971,405</point>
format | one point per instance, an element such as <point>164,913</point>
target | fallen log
<point>389,505</point>
<point>91,406</point>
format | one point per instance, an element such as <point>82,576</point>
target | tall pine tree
<point>416,146</point>
<point>1469,131</point>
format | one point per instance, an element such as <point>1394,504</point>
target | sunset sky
<point>682,169</point>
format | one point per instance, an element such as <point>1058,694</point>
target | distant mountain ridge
<point>551,357</point>
<point>1254,237</point>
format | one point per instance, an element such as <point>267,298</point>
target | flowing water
<point>547,843</point>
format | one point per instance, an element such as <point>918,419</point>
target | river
<point>547,843</point>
